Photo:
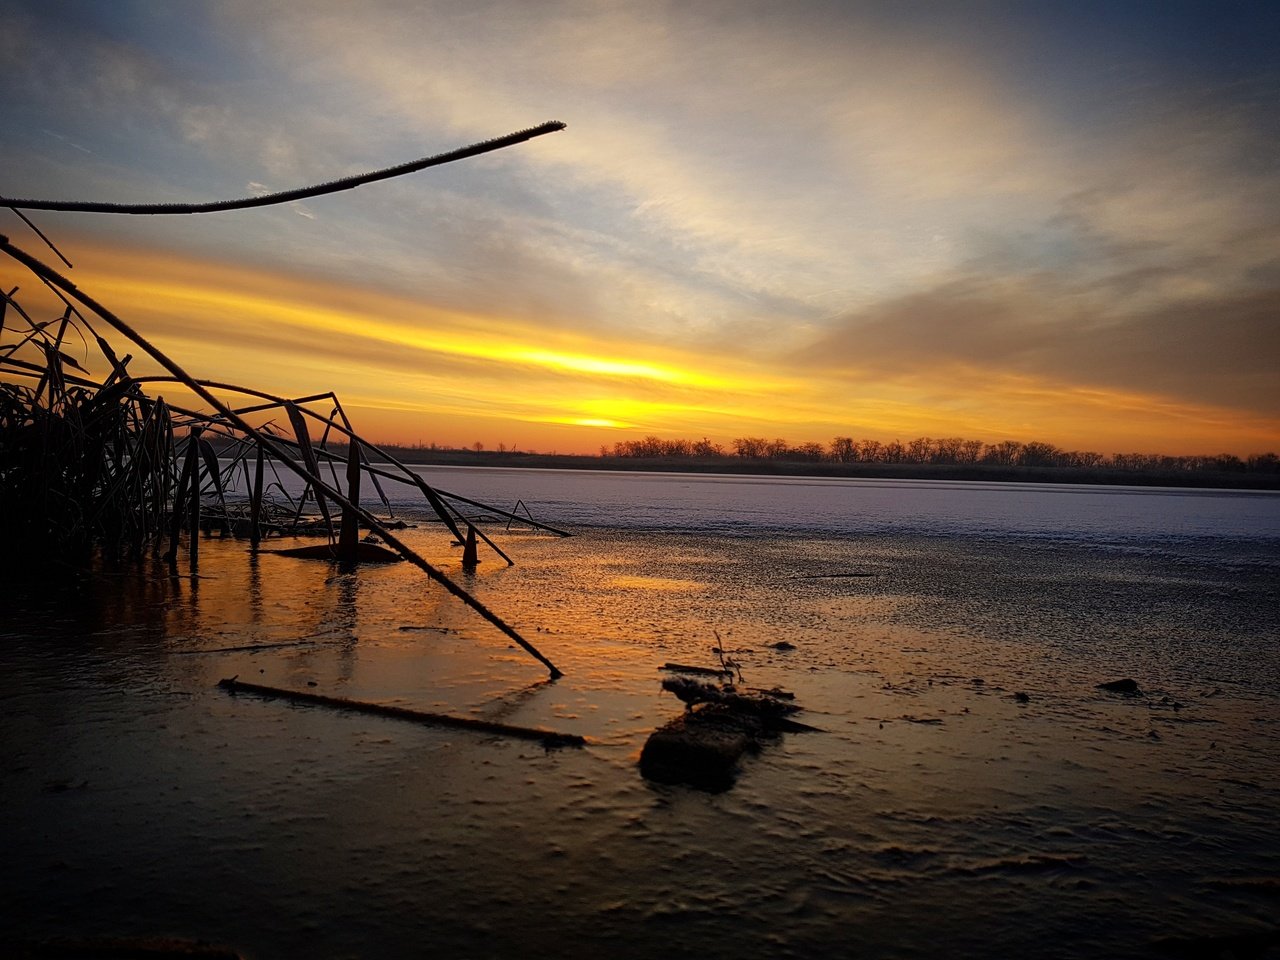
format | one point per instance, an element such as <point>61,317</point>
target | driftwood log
<point>548,738</point>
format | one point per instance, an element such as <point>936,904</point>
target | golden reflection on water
<point>655,583</point>
<point>932,806</point>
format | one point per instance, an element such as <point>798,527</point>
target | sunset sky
<point>1031,221</point>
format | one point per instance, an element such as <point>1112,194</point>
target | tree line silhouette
<point>948,451</point>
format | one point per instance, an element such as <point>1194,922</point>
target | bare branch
<point>333,186</point>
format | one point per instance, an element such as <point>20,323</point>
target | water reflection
<point>654,583</point>
<point>292,831</point>
<point>254,591</point>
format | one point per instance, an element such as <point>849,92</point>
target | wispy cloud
<point>886,216</point>
<point>974,371</point>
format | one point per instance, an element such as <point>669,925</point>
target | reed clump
<point>89,461</point>
<point>107,466</point>
<point>84,464</point>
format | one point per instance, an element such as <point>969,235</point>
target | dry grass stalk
<point>83,463</point>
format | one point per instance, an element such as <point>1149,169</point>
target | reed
<point>85,464</point>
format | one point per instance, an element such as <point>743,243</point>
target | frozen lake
<point>935,808</point>
<point>744,504</point>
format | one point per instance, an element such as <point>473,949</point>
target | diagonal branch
<point>333,186</point>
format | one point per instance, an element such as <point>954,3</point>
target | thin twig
<point>40,233</point>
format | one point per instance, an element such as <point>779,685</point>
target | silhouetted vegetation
<point>90,463</point>
<point>948,458</point>
<point>950,451</point>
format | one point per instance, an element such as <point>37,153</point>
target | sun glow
<point>597,422</point>
<point>613,368</point>
<point>445,333</point>
<point>420,372</point>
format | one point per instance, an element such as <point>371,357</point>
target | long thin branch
<point>333,186</point>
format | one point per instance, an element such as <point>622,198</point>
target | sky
<point>1027,220</point>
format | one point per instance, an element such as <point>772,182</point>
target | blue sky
<point>1019,220</point>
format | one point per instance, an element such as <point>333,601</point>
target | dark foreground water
<point>936,815</point>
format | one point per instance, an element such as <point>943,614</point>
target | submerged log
<point>548,738</point>
<point>702,747</point>
<point>699,749</point>
<point>1127,686</point>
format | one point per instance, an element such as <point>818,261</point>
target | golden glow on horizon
<point>419,373</point>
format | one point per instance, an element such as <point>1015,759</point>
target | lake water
<point>934,815</point>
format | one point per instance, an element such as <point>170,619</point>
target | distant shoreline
<point>1223,480</point>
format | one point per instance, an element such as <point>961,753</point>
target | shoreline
<point>1221,480</point>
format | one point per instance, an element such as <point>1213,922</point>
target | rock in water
<point>700,749</point>
<point>1125,686</point>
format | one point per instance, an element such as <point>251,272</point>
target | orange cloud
<point>409,371</point>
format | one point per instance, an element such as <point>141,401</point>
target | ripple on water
<point>1050,827</point>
